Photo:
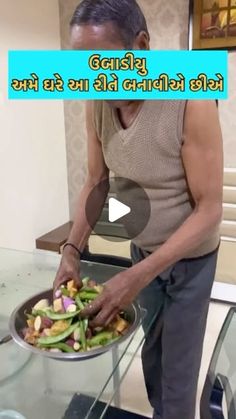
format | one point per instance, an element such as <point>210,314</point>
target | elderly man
<point>173,149</point>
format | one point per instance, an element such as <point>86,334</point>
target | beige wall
<point>228,116</point>
<point>74,120</point>
<point>33,172</point>
<point>169,30</point>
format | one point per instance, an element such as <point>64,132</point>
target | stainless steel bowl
<point>18,322</point>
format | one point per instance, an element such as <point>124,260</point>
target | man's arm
<point>202,155</point>
<point>81,230</point>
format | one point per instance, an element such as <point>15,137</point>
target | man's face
<point>103,37</point>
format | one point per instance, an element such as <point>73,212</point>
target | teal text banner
<point>118,75</point>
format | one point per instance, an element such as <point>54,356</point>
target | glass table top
<point>39,387</point>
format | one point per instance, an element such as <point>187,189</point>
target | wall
<point>169,30</point>
<point>227,116</point>
<point>33,172</point>
<point>74,119</point>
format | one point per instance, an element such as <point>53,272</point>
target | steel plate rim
<point>79,356</point>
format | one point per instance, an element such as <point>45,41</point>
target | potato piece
<point>59,327</point>
<point>30,337</point>
<point>41,305</point>
<point>72,292</point>
<point>99,288</point>
<point>58,305</point>
<point>71,308</point>
<point>121,325</point>
<point>114,322</point>
<point>37,324</point>
<point>92,283</point>
<point>47,332</point>
<point>70,284</point>
<point>30,322</point>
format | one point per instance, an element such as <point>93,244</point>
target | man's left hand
<point>118,293</point>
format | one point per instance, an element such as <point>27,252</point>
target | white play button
<point>117,210</point>
<point>125,214</point>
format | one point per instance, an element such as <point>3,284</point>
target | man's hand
<point>81,230</point>
<point>69,269</point>
<point>119,292</point>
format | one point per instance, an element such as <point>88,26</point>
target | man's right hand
<point>97,172</point>
<point>69,269</point>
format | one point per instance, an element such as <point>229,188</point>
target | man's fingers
<point>93,308</point>
<point>111,318</point>
<point>78,283</point>
<point>56,285</point>
<point>63,281</point>
<point>104,317</point>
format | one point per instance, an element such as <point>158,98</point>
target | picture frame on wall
<point>212,24</point>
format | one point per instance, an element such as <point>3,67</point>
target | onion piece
<point>67,301</point>
<point>76,346</point>
<point>76,334</point>
<point>58,293</point>
<point>70,342</point>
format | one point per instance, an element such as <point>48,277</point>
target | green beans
<point>91,295</point>
<point>79,302</point>
<point>41,313</point>
<point>87,289</point>
<point>60,345</point>
<point>65,292</point>
<point>29,316</point>
<point>82,335</point>
<point>49,340</point>
<point>60,316</point>
<point>85,324</point>
<point>102,338</point>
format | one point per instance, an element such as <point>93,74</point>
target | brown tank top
<point>149,153</point>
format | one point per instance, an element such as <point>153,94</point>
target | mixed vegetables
<point>58,327</point>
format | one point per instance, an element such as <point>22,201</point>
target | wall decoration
<point>212,24</point>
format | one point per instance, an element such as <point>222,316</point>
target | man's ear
<point>142,41</point>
